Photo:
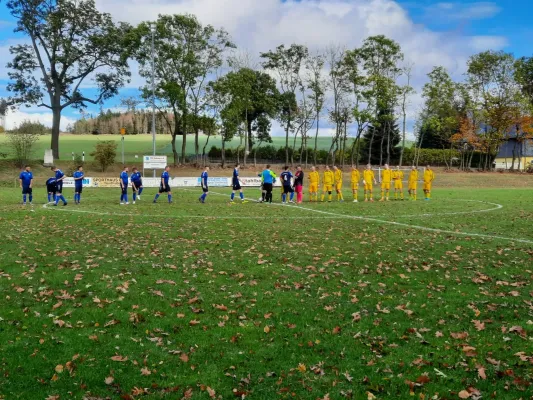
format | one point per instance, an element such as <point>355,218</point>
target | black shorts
<point>165,189</point>
<point>136,185</point>
<point>51,188</point>
<point>287,189</point>
<point>124,190</point>
<point>59,188</point>
<point>236,185</point>
<point>267,187</point>
<point>205,189</point>
<point>78,189</point>
<point>27,190</point>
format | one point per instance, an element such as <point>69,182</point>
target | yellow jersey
<point>356,176</point>
<point>314,177</point>
<point>413,176</point>
<point>368,176</point>
<point>397,175</point>
<point>387,175</point>
<point>328,178</point>
<point>338,176</point>
<point>429,175</point>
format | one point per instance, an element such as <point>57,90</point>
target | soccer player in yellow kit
<point>386,178</point>
<point>314,180</point>
<point>327,181</point>
<point>356,177</point>
<point>429,177</point>
<point>338,183</point>
<point>368,180</point>
<point>397,177</point>
<point>412,183</point>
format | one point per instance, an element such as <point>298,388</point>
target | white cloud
<point>463,11</point>
<point>15,118</point>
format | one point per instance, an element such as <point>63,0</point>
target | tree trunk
<point>316,136</point>
<point>184,136</point>
<point>196,143</point>
<point>249,129</point>
<point>56,123</point>
<point>205,146</point>
<point>287,137</point>
<point>223,153</point>
<point>370,146</point>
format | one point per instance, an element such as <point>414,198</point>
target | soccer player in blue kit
<point>26,184</point>
<point>286,180</point>
<point>51,188</point>
<point>164,187</point>
<point>203,182</point>
<point>124,186</point>
<point>236,184</point>
<point>136,184</point>
<point>59,182</point>
<point>78,184</point>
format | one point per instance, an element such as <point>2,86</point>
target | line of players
<point>331,179</point>
<point>290,184</point>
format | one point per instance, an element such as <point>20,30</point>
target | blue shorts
<point>165,189</point>
<point>27,190</point>
<point>60,187</point>
<point>136,184</point>
<point>236,185</point>
<point>78,189</point>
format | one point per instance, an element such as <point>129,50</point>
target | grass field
<point>398,300</point>
<point>134,145</point>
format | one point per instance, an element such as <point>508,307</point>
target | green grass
<point>134,145</point>
<point>353,306</point>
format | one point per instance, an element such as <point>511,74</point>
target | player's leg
<point>134,190</point>
<point>232,196</point>
<point>241,194</point>
<point>330,194</point>
<point>141,188</point>
<point>158,194</point>
<point>169,195</point>
<point>24,196</point>
<point>323,194</point>
<point>291,195</point>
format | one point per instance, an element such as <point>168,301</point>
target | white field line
<point>423,228</point>
<point>337,216</point>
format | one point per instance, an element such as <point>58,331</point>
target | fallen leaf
<point>145,371</point>
<point>119,358</point>
<point>59,368</point>
<point>184,357</point>
<point>481,371</point>
<point>109,380</point>
<point>463,394</point>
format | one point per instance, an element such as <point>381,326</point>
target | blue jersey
<point>286,177</point>
<point>124,178</point>
<point>165,177</point>
<point>59,174</point>
<point>136,177</point>
<point>26,178</point>
<point>78,182</point>
<point>204,179</point>
<point>235,176</point>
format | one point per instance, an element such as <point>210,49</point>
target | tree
<point>491,76</point>
<point>380,58</point>
<point>71,43</point>
<point>317,86</point>
<point>352,68</point>
<point>440,116</point>
<point>22,140</point>
<point>255,97</point>
<point>524,76</point>
<point>186,52</point>
<point>287,63</point>
<point>384,130</point>
<point>105,153</point>
<point>405,92</point>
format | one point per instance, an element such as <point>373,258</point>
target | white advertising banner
<point>154,162</point>
<point>69,182</point>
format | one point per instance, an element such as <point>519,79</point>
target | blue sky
<point>430,32</point>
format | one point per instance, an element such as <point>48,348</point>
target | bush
<point>74,164</point>
<point>22,141</point>
<point>33,127</point>
<point>105,153</point>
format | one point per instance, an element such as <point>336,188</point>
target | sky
<point>430,33</point>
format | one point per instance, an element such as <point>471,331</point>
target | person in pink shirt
<point>299,184</point>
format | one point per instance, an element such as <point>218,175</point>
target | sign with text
<point>154,162</point>
<point>69,182</point>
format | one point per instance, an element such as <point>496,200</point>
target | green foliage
<point>33,127</point>
<point>105,153</point>
<point>524,76</point>
<point>74,164</point>
<point>382,139</point>
<point>69,41</point>
<point>22,141</point>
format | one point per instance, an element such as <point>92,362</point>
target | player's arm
<point>31,182</point>
<point>20,180</point>
<point>163,182</point>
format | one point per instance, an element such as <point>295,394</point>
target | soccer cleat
<point>244,202</point>
<point>154,201</point>
<point>127,203</point>
<point>382,199</point>
<point>133,202</point>
<point>138,197</point>
<point>355,201</point>
<point>372,200</point>
<point>64,204</point>
<point>341,200</point>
